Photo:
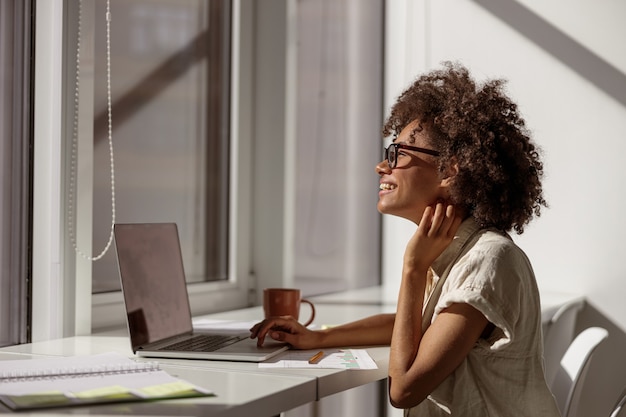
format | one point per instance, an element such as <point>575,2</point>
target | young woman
<point>466,336</point>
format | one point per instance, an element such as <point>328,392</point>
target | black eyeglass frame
<point>396,146</point>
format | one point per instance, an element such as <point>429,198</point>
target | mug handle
<point>312,311</point>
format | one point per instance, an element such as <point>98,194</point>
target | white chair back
<point>558,333</point>
<point>568,381</point>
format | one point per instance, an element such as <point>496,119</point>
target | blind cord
<point>71,202</point>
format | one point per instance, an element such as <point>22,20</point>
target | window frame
<point>263,73</point>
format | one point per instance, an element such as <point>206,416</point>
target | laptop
<point>157,304</point>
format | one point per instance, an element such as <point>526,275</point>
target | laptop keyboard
<point>203,343</point>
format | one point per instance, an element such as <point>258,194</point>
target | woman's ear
<point>449,172</point>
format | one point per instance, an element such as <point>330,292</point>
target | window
<point>170,71</point>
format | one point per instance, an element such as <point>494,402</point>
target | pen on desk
<point>316,358</point>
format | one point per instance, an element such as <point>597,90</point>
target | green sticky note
<point>171,389</point>
<point>110,392</point>
<point>43,399</point>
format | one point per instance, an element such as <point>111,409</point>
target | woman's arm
<point>371,331</point>
<point>374,330</point>
<point>419,364</point>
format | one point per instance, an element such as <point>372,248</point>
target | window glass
<point>170,78</point>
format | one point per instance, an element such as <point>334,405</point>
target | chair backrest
<point>558,333</point>
<point>568,381</point>
<point>619,406</point>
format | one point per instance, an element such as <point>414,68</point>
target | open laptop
<point>157,304</point>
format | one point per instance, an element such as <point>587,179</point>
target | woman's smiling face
<point>414,183</point>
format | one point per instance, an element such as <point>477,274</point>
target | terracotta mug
<point>285,302</point>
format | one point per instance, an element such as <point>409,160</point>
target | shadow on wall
<point>560,45</point>
<point>607,373</point>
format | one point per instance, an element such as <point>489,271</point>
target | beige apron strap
<point>429,308</point>
<point>433,298</point>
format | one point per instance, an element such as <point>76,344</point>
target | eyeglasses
<point>391,152</point>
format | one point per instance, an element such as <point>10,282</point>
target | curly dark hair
<point>480,128</point>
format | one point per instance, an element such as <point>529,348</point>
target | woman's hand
<point>285,329</point>
<point>434,233</point>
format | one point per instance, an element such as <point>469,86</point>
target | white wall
<point>566,66</point>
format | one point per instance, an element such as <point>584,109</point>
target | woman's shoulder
<point>495,256</point>
<point>489,251</point>
<point>498,243</point>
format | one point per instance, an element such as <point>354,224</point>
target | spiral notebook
<point>157,304</point>
<point>81,380</point>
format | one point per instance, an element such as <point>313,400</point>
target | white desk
<point>242,388</point>
<point>329,381</point>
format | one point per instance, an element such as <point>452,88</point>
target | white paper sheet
<point>333,358</point>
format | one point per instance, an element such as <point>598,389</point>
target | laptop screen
<point>153,281</point>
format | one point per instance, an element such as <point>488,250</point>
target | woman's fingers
<point>259,330</point>
<point>440,220</point>
<point>278,326</point>
<point>450,223</point>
